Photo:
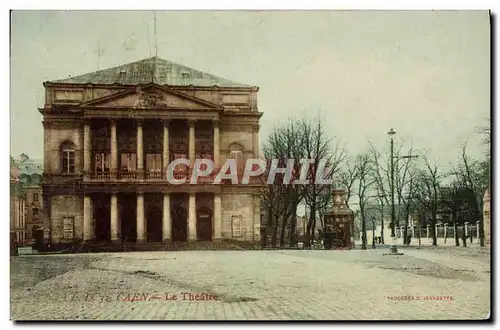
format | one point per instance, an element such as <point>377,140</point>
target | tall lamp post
<point>393,248</point>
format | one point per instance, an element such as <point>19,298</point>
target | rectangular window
<point>153,162</point>
<point>128,162</point>
<point>68,227</point>
<point>35,197</point>
<point>102,163</point>
<point>68,161</point>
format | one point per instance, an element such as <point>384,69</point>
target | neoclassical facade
<point>109,136</point>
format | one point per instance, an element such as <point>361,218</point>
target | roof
<point>141,72</point>
<point>28,166</point>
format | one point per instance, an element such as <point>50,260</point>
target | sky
<point>424,73</point>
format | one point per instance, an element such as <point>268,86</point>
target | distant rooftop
<point>141,72</point>
<point>26,165</point>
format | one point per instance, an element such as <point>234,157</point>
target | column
<point>88,225</point>
<point>465,228</point>
<point>445,229</point>
<point>477,230</point>
<point>87,146</point>
<point>140,218</point>
<point>140,162</point>
<point>216,144</point>
<point>217,217</point>
<point>166,227</point>
<point>114,218</point>
<point>166,150</point>
<point>427,231</point>
<point>114,150</point>
<point>413,231</point>
<point>192,218</point>
<point>255,139</point>
<point>191,142</point>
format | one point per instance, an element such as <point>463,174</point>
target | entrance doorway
<point>102,217</point>
<point>37,236</point>
<point>154,218</point>
<point>127,205</point>
<point>204,224</point>
<point>178,213</point>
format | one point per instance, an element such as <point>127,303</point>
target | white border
<point>255,4</point>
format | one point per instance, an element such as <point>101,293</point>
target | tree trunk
<point>275,231</point>
<point>363,232</point>
<point>405,234</point>
<point>293,230</point>
<point>269,223</point>
<point>434,221</point>
<point>464,238</point>
<point>455,228</point>
<point>311,225</point>
<point>284,221</point>
<point>382,223</point>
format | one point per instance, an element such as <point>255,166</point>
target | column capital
<point>191,122</point>
<point>256,127</point>
<point>166,122</point>
<point>216,123</point>
<point>112,122</point>
<point>139,122</point>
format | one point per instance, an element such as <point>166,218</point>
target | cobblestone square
<point>254,285</point>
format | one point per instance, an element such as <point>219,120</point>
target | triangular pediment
<point>151,96</point>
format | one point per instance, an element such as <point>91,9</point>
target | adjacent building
<point>109,136</point>
<point>26,206</point>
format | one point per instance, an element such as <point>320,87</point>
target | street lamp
<point>393,249</point>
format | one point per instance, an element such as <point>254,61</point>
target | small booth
<point>339,223</point>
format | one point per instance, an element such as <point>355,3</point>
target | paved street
<point>253,285</point>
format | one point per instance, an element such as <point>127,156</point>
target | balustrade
<point>179,174</point>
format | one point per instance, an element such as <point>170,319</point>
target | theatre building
<point>109,136</point>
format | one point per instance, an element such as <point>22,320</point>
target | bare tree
<point>474,175</point>
<point>427,192</point>
<point>404,175</point>
<point>381,176</point>
<point>348,177</point>
<point>320,148</point>
<point>364,167</point>
<point>284,144</point>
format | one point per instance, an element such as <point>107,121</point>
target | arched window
<point>67,151</point>
<point>235,151</point>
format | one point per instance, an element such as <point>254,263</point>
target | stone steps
<point>158,246</point>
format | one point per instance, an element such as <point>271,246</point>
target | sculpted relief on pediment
<point>152,98</point>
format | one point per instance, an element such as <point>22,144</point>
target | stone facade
<point>107,145</point>
<point>26,215</point>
